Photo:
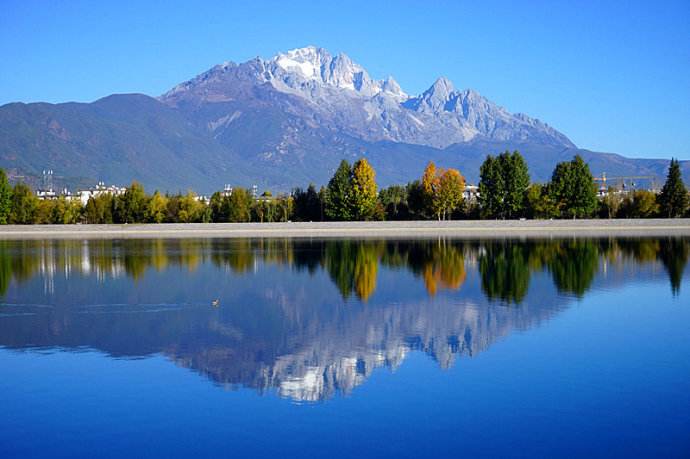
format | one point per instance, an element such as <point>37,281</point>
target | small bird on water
<point>215,303</point>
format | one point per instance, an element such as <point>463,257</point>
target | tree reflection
<point>573,265</point>
<point>445,267</point>
<point>673,253</point>
<point>353,266</point>
<point>505,271</point>
<point>504,266</point>
<point>5,268</point>
<point>234,254</point>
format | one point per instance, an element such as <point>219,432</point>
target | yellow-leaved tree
<point>364,189</point>
<point>443,189</point>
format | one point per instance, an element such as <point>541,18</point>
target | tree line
<point>505,191</point>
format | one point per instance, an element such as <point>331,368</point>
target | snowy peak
<point>307,61</point>
<point>302,68</point>
<point>391,86</point>
<point>334,92</point>
<point>435,98</point>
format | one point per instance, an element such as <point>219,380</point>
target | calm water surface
<point>345,348</point>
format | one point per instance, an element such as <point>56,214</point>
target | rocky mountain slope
<point>280,123</point>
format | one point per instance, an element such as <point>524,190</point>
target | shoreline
<point>388,229</point>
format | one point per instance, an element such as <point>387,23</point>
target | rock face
<point>280,123</point>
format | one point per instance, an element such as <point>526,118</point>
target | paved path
<point>397,229</point>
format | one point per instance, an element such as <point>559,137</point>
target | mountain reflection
<point>308,318</point>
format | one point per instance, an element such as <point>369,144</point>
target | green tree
<point>285,208</point>
<point>24,205</point>
<point>610,204</point>
<point>540,203</point>
<point>644,204</point>
<point>65,212</point>
<point>363,190</point>
<point>5,198</point>
<point>218,209</point>
<point>491,188</point>
<point>572,188</point>
<point>156,208</point>
<point>674,196</point>
<point>417,201</point>
<point>263,209</point>
<point>238,206</point>
<point>307,204</point>
<point>47,212</point>
<point>503,185</point>
<point>191,210</point>
<point>99,209</point>
<point>515,180</point>
<point>394,201</point>
<point>131,206</point>
<point>337,203</point>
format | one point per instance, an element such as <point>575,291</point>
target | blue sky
<point>613,76</point>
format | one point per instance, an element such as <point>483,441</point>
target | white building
<point>471,192</point>
<point>99,190</point>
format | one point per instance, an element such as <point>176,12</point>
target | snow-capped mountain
<point>339,94</point>
<point>280,123</point>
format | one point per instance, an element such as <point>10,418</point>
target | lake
<point>345,348</point>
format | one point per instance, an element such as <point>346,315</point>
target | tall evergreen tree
<point>491,188</point>
<point>5,198</point>
<point>338,193</point>
<point>674,195</point>
<point>515,181</point>
<point>503,185</point>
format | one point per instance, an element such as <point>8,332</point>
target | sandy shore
<point>402,229</point>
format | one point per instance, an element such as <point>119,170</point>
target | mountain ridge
<point>280,123</point>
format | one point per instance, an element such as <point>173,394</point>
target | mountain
<point>280,123</point>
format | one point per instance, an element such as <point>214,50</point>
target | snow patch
<point>307,69</point>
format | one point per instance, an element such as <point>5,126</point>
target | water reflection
<point>308,318</point>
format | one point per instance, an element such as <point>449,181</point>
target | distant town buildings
<point>48,192</point>
<point>99,190</point>
<point>605,186</point>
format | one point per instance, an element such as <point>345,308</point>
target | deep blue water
<point>345,348</point>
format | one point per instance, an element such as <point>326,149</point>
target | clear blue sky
<point>613,76</point>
